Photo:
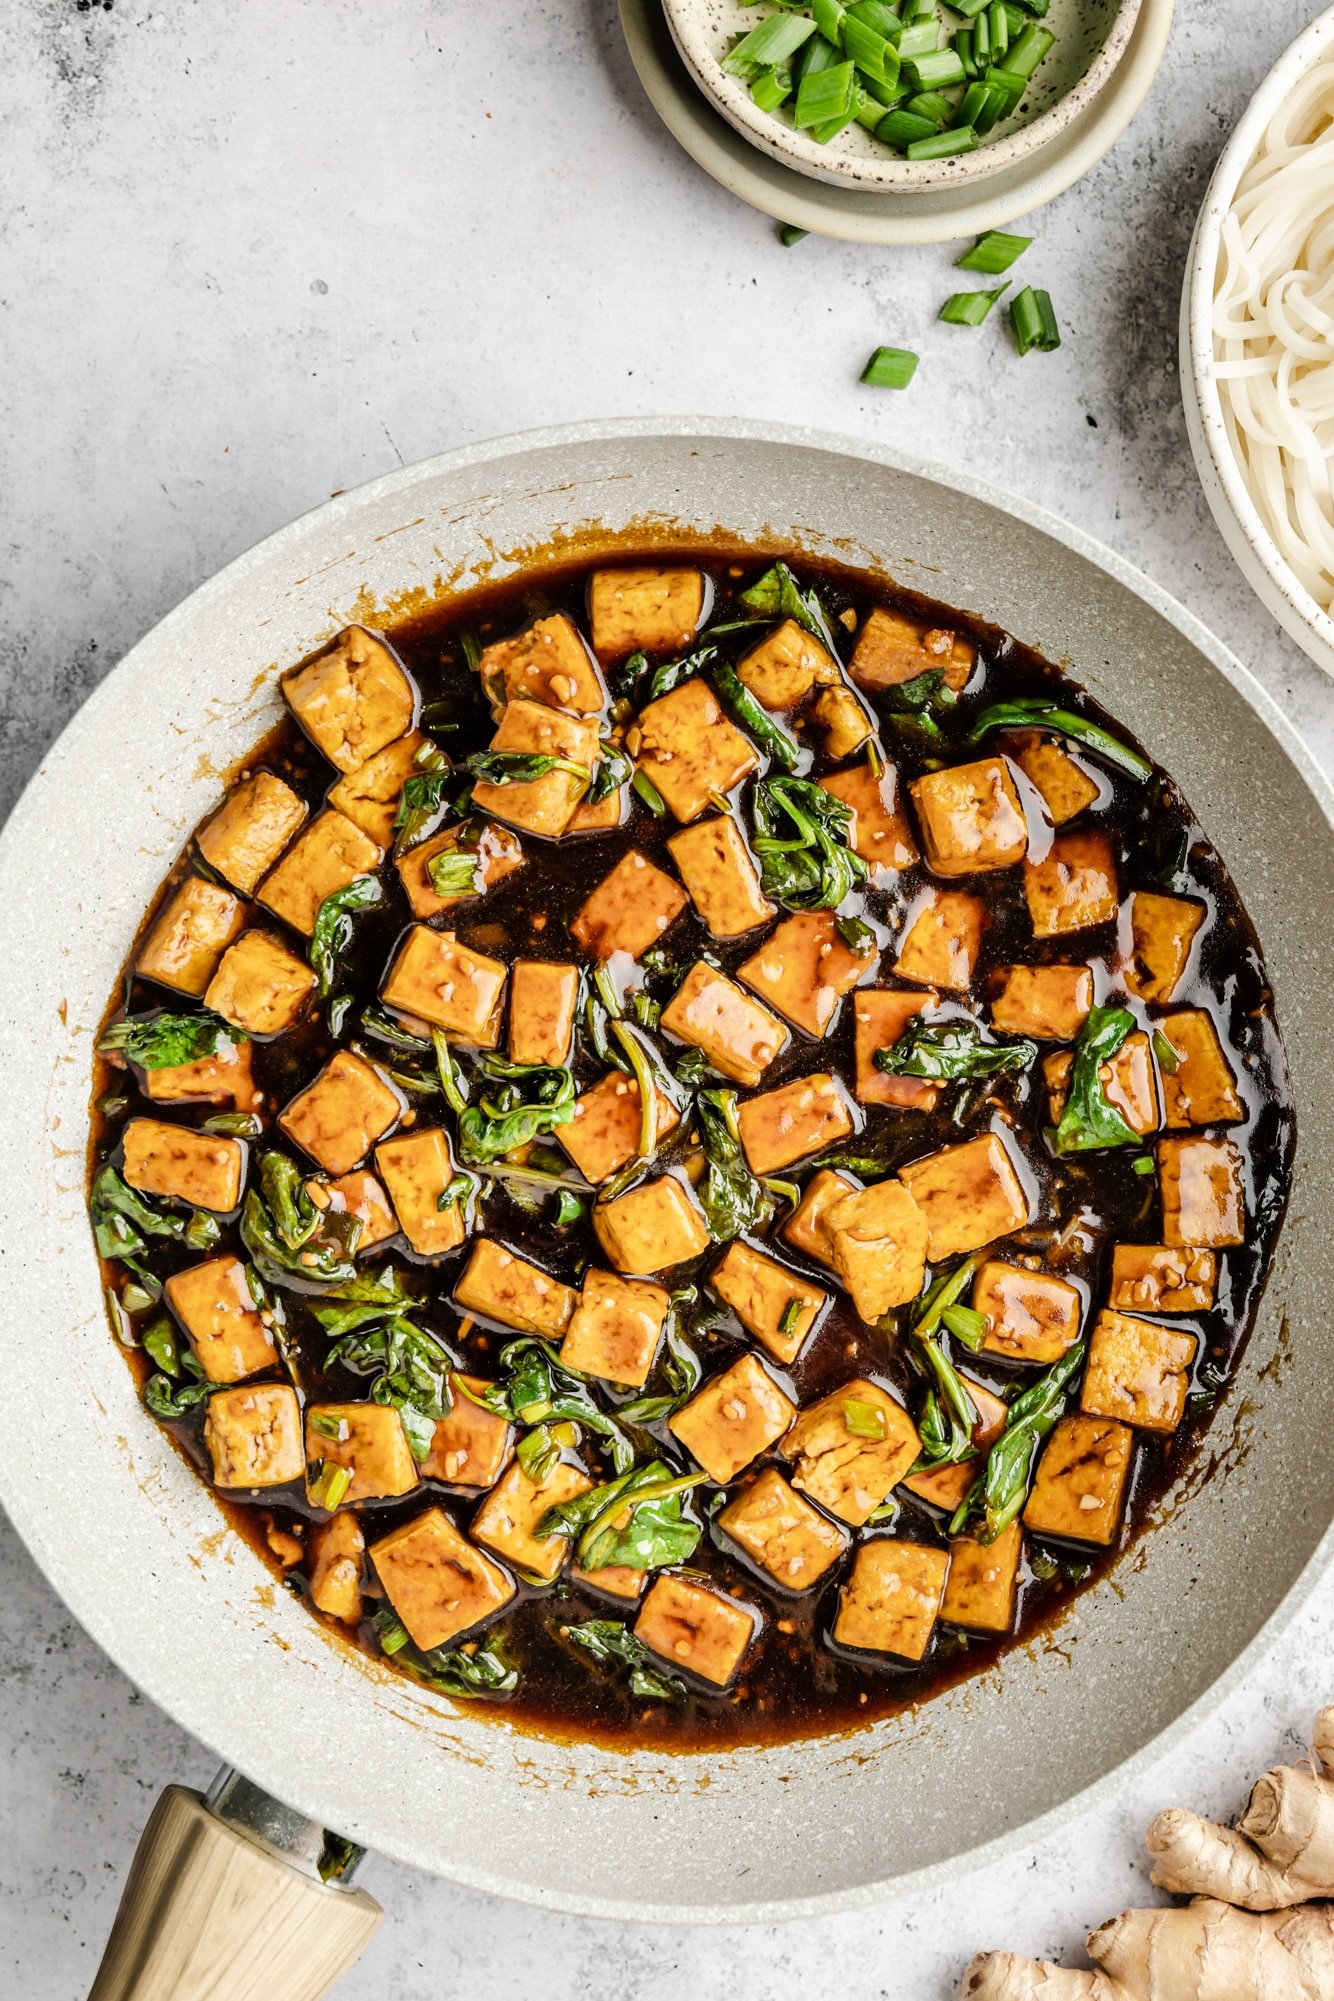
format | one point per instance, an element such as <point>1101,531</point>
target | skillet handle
<point>211,1914</point>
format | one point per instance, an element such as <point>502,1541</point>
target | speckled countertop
<point>255,253</point>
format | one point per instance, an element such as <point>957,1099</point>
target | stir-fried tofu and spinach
<point>690,1146</point>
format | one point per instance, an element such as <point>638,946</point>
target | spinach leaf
<point>171,1401</point>
<point>412,1371</point>
<point>535,1390</point>
<point>612,1645</point>
<point>122,1219</point>
<point>732,1199</point>
<point>611,772</point>
<point>949,1415</point>
<point>162,1040</point>
<point>771,737</point>
<point>778,595</point>
<point>673,672</point>
<point>681,1367</point>
<point>911,703</point>
<point>526,1100</point>
<point>333,926</point>
<point>422,798</point>
<point>483,1673</point>
<point>951,1050</point>
<point>1030,711</point>
<point>635,1520</point>
<point>801,839</point>
<point>165,1394</point>
<point>1090,1120</point>
<point>522,767</point>
<point>995,1499</point>
<point>288,1237</point>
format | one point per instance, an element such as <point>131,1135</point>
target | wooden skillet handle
<point>210,1914</point>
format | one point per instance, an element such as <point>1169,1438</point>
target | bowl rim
<point>1287,598</point>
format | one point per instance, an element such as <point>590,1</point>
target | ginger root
<point>1239,1939</point>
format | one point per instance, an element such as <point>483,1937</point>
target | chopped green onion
<point>772,87</point>
<point>825,96</point>
<point>877,15</point>
<point>869,109</point>
<point>971,106</point>
<point>772,41</point>
<point>970,9</point>
<point>873,55</point>
<point>963,49</point>
<point>982,41</point>
<point>998,27</point>
<point>791,1315</point>
<point>993,253</point>
<point>1024,57</point>
<point>643,786</point>
<point>932,104</point>
<point>1010,85</point>
<point>969,309</point>
<point>1034,321</point>
<point>890,368</point>
<point>902,128</point>
<point>815,55</point>
<point>942,145</point>
<point>330,1484</point>
<point>940,71</point>
<point>919,41</point>
<point>828,18</point>
<point>996,107</point>
<point>788,234</point>
<point>1142,1163</point>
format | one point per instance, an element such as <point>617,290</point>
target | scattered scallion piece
<point>994,252</point>
<point>788,234</point>
<point>1023,56</point>
<point>969,309</point>
<point>891,367</point>
<point>943,145</point>
<point>772,87</point>
<point>1033,321</point>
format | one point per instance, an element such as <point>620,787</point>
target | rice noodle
<point>1273,326</point>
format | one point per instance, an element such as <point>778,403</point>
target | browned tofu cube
<point>807,1228</point>
<point>942,939</point>
<point>1137,1371</point>
<point>803,969</point>
<point>603,1135</point>
<point>439,1585</point>
<point>734,1418</point>
<point>970,818</point>
<point>1031,1316</point>
<point>1066,787</point>
<point>1074,885</point>
<point>352,699</point>
<point>369,796</point>
<point>416,1168</point>
<point>629,910</point>
<point>655,1226</point>
<point>773,1304</point>
<point>547,662</point>
<point>983,1582</point>
<point>202,1169</point>
<point>696,1629</point>
<point>215,1306</point>
<point>1158,1278</point>
<point>615,1328</point>
<point>600,816</point>
<point>1080,1486</point>
<point>945,1486</point>
<point>644,610</point>
<point>1129,1082</point>
<point>543,999</point>
<point>471,1446</point>
<point>838,1461</point>
<point>437,980</point>
<point>614,1580</point>
<point>1050,1003</point>
<point>690,751</point>
<point>185,943</point>
<point>367,1439</point>
<point>797,1119</point>
<point>250,829</point>
<point>891,1600</point>
<point>1203,1193</point>
<point>892,649</point>
<point>879,1243</point>
<point>1162,936</point>
<point>882,1016</point>
<point>710,1012</point>
<point>542,805</point>
<point>880,833</point>
<point>494,852</point>
<point>1200,1088</point>
<point>252,1435</point>
<point>358,1194</point>
<point>783,1534</point>
<point>844,721</point>
<point>259,985</point>
<point>224,1078</point>
<point>786,664</point>
<point>338,1118</point>
<point>501,1286</point>
<point>329,855</point>
<point>507,1520</point>
<point>723,881</point>
<point>335,1550</point>
<point>970,1195</point>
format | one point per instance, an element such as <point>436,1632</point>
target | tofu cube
<point>890,1603</point>
<point>734,1418</point>
<point>1074,885</point>
<point>1158,1278</point>
<point>495,853</point>
<point>710,1012</point>
<point>942,939</point>
<point>983,1582</point>
<point>252,1435</point>
<point>549,663</point>
<point>543,999</point>
<point>340,1115</point>
<point>439,1585</point>
<point>1050,1003</point>
<point>786,664</point>
<point>542,805</point>
<point>1031,1316</point>
<point>615,1329</point>
<point>971,818</point>
<point>695,1629</point>
<point>471,1446</point>
<point>879,1244</point>
<point>334,1554</point>
<point>1203,1192</point>
<point>1201,1089</point>
<point>782,1533</point>
<point>844,721</point>
<point>358,1194</point>
<point>369,796</point>
<point>1067,788</point>
<point>653,1227</point>
<point>882,1016</point>
<point>614,1580</point>
<point>847,1473</point>
<point>1163,930</point>
<point>367,1439</point>
<point>880,833</point>
<point>507,1520</point>
<point>352,699</point>
<point>204,1170</point>
<point>224,1078</point>
<point>892,649</point>
<point>250,829</point>
<point>437,980</point>
<point>629,910</point>
<point>1079,1489</point>
<point>215,1306</point>
<point>970,1195</point>
<point>1129,1081</point>
<point>501,1286</point>
<point>690,751</point>
<point>800,1118</point>
<point>603,1135</point>
<point>600,816</point>
<point>776,1307</point>
<point>259,985</point>
<point>803,969</point>
<point>723,881</point>
<point>807,1228</point>
<point>329,855</point>
<point>416,1168</point>
<point>1138,1371</point>
<point>644,610</point>
<point>945,1486</point>
<point>185,943</point>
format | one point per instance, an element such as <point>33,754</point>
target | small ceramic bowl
<point>1258,556</point>
<point>1091,37</point>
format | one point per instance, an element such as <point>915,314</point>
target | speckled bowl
<point>133,1540</point>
